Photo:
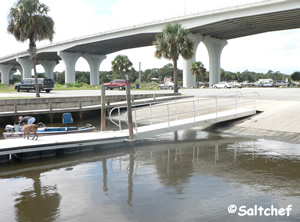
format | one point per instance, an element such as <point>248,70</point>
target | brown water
<point>185,176</point>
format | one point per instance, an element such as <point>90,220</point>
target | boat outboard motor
<point>9,128</point>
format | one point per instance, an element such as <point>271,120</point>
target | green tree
<point>121,64</point>
<point>172,42</point>
<point>105,76</point>
<point>295,76</point>
<point>59,77</point>
<point>28,20</point>
<point>198,70</point>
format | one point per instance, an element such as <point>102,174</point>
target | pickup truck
<point>45,84</point>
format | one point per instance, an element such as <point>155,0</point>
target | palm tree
<point>121,64</point>
<point>28,20</point>
<point>198,70</point>
<point>172,42</point>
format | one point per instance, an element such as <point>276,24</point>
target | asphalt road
<point>285,94</point>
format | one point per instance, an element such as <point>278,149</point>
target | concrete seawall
<point>10,107</point>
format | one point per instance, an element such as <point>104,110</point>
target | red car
<point>117,83</point>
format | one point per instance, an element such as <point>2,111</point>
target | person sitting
<point>26,120</point>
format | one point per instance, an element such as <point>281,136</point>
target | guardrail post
<point>103,109</point>
<point>50,107</point>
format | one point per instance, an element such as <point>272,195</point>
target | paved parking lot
<point>285,94</point>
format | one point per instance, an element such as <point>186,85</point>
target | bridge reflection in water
<point>182,176</point>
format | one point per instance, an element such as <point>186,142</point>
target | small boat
<point>15,131</point>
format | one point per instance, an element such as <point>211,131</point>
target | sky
<point>276,51</point>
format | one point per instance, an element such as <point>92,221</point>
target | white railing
<point>188,108</point>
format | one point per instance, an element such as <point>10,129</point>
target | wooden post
<point>103,109</point>
<point>130,126</point>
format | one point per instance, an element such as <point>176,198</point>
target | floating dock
<point>194,113</point>
<point>47,146</point>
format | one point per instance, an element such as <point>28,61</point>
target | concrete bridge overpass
<point>213,28</point>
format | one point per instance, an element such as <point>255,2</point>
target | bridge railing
<point>188,108</point>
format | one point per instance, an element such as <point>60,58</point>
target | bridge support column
<point>94,62</point>
<point>189,80</point>
<point>70,60</point>
<point>26,65</point>
<point>5,73</point>
<point>49,66</point>
<point>214,47</point>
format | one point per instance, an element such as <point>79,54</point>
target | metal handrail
<point>119,116</point>
<point>216,105</point>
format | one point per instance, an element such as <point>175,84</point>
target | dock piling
<point>103,109</point>
<point>129,113</point>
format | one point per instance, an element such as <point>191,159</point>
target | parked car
<point>235,85</point>
<point>167,85</point>
<point>268,84</point>
<point>117,83</point>
<point>45,84</point>
<point>279,83</point>
<point>222,85</point>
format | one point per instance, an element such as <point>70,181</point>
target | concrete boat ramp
<point>149,121</point>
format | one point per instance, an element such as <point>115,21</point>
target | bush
<point>69,85</point>
<point>78,85</point>
<point>2,85</point>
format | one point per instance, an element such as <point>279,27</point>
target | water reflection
<point>104,172</point>
<point>42,199</point>
<point>183,176</point>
